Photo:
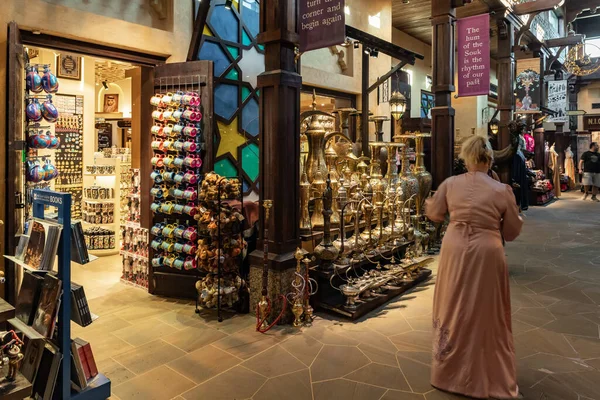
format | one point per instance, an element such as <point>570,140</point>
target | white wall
<point>588,95</point>
<point>123,89</point>
<point>419,71</point>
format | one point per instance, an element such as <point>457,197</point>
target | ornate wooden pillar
<point>506,79</point>
<point>443,15</point>
<point>279,138</point>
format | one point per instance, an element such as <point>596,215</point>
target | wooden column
<point>279,144</point>
<point>506,79</point>
<point>442,115</point>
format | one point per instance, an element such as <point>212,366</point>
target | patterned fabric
<point>441,343</point>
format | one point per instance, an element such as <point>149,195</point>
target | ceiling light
<point>105,84</point>
<point>356,44</point>
<point>228,4</point>
<point>367,50</point>
<point>374,53</point>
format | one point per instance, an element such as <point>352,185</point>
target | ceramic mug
<point>158,160</point>
<point>156,230</point>
<point>179,230</point>
<point>189,161</point>
<point>178,162</point>
<point>179,262</point>
<point>167,246</point>
<point>178,128</point>
<point>158,114</point>
<point>155,207</point>
<point>156,243</point>
<point>178,145</point>
<point>158,261</point>
<point>190,178</point>
<point>190,209</point>
<point>168,145</point>
<point>190,130</point>
<point>167,207</point>
<point>190,234</point>
<point>177,114</point>
<point>178,193</point>
<point>156,99</point>
<point>168,130</point>
<point>167,98</point>
<point>190,263</point>
<point>168,231</point>
<point>158,145</point>
<point>177,97</point>
<point>169,260</point>
<point>157,130</point>
<point>179,177</point>
<point>178,208</point>
<point>190,194</point>
<point>158,192</point>
<point>190,146</point>
<point>168,161</point>
<point>190,248</point>
<point>157,177</point>
<point>167,114</point>
<point>168,176</point>
<point>178,247</point>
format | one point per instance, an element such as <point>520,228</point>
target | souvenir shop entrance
<point>101,152</point>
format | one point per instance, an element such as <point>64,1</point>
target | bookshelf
<point>99,387</point>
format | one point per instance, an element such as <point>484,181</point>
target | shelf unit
<point>99,387</point>
<point>108,181</point>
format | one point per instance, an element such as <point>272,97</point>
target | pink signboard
<point>473,55</point>
<point>321,23</point>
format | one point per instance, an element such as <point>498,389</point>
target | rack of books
<point>56,365</point>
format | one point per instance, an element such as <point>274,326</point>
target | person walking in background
<point>473,350</point>
<point>589,166</point>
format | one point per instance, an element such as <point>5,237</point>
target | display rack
<point>106,180</point>
<point>178,142</point>
<point>99,388</point>
<point>228,265</point>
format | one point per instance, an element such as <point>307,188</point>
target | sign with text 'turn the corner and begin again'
<point>321,23</point>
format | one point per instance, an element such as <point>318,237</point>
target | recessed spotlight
<point>228,4</point>
<point>356,44</point>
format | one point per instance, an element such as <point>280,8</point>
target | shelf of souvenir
<point>41,140</point>
<point>221,246</point>
<point>101,211</point>
<point>177,144</point>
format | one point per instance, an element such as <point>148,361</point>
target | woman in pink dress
<point>473,350</point>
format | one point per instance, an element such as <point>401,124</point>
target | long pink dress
<point>473,350</point>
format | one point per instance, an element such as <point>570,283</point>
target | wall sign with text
<point>557,100</point>
<point>591,122</point>
<point>321,23</point>
<point>473,55</point>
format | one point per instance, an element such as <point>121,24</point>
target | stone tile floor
<point>155,348</point>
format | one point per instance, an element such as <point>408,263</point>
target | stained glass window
<point>229,39</point>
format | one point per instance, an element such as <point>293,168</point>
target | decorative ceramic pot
<point>33,80</point>
<point>49,111</point>
<point>49,81</point>
<point>33,111</point>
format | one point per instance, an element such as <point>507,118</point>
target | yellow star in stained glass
<point>230,139</point>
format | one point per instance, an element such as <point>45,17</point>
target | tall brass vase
<point>423,176</point>
<point>407,181</point>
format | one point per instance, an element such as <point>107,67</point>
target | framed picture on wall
<point>111,103</point>
<point>68,66</point>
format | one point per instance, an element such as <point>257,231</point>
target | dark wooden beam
<point>506,78</point>
<point>383,46</point>
<point>536,6</point>
<point>91,49</point>
<point>571,40</point>
<point>199,24</point>
<point>576,7</point>
<point>386,76</point>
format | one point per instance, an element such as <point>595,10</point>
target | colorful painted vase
<point>49,81</point>
<point>49,111</point>
<point>35,172</point>
<point>50,171</point>
<point>33,80</point>
<point>34,111</point>
<point>54,142</point>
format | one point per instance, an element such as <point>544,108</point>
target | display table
<point>18,389</point>
<point>329,298</point>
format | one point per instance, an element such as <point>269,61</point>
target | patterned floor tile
<point>159,384</point>
<point>294,386</point>
<point>274,362</point>
<point>337,361</point>
<point>347,390</point>
<point>237,383</point>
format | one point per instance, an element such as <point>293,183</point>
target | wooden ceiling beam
<point>536,6</point>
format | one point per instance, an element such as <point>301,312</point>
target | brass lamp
<point>494,126</point>
<point>397,105</point>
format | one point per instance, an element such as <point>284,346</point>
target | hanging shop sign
<point>591,122</point>
<point>528,86</point>
<point>322,23</point>
<point>557,100</point>
<point>474,55</point>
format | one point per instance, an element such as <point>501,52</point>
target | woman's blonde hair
<point>476,150</point>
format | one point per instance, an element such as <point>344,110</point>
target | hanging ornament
<point>35,172</point>
<point>50,171</point>
<point>54,141</point>
<point>33,80</point>
<point>49,81</point>
<point>49,111</point>
<point>34,110</point>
